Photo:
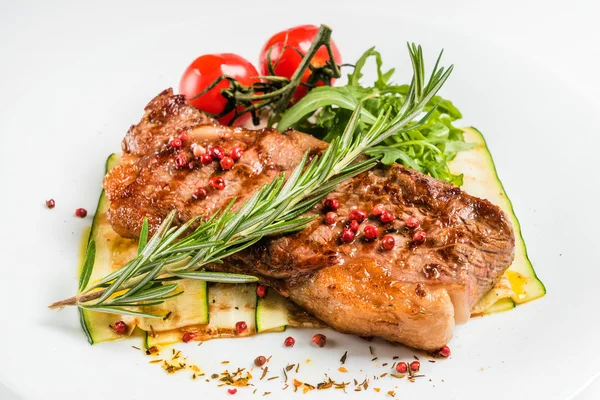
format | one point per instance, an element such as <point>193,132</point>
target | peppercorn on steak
<point>394,253</point>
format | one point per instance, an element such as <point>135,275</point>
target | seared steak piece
<point>413,294</point>
<point>147,182</point>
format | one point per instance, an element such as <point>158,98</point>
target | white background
<point>39,38</point>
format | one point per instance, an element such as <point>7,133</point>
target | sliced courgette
<point>229,304</point>
<point>111,252</point>
<point>189,308</point>
<point>499,293</point>
<point>481,179</point>
<point>271,313</point>
<point>161,339</point>
<point>501,305</point>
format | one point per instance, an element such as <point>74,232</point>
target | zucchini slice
<point>161,339</point>
<point>112,251</point>
<point>502,291</point>
<point>231,303</point>
<point>480,179</point>
<point>228,304</point>
<point>272,313</point>
<point>501,305</point>
<point>189,308</point>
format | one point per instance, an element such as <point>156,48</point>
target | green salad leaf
<point>427,147</point>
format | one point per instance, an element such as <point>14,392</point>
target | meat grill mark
<point>348,285</point>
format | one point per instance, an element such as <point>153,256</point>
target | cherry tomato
<point>285,59</point>
<point>204,70</point>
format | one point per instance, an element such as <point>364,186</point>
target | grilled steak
<point>412,294</point>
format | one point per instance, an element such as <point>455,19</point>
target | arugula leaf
<point>342,97</point>
<point>382,78</point>
<point>325,111</point>
<point>389,155</point>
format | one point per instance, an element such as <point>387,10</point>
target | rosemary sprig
<point>276,208</point>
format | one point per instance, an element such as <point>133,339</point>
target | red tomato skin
<point>204,70</point>
<point>299,37</point>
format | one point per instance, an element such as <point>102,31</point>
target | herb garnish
<point>276,208</point>
<point>427,148</point>
<point>343,359</point>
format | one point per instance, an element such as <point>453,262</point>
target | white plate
<point>76,76</point>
